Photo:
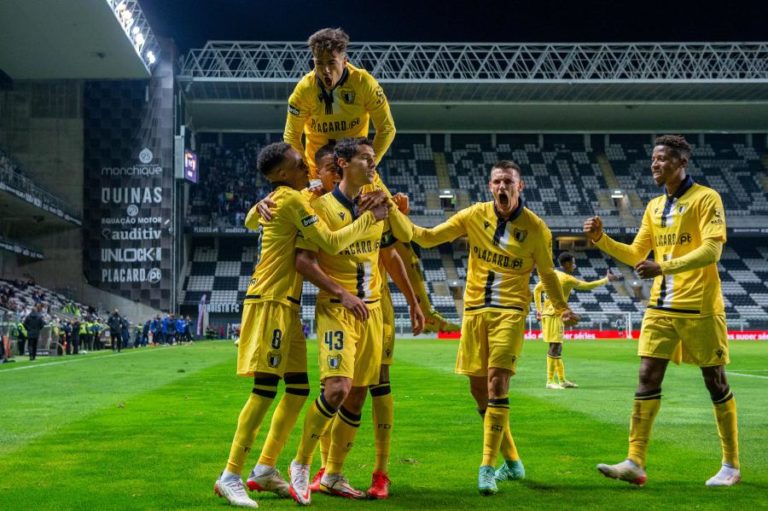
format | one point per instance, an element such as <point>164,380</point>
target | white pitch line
<point>73,360</point>
<point>731,373</point>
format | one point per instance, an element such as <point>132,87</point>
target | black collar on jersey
<point>501,222</point>
<point>344,201</point>
<point>327,96</point>
<point>684,187</point>
<point>278,184</point>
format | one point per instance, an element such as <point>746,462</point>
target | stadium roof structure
<point>86,39</point>
<point>231,85</point>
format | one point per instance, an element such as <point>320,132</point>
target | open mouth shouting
<point>504,199</point>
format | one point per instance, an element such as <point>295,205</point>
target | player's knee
<point>356,399</point>
<point>715,381</point>
<point>336,390</point>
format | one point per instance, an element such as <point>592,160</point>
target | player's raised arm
<point>378,107</point>
<point>627,254</point>
<point>296,117</point>
<point>449,230</point>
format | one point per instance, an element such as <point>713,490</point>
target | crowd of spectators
<point>229,185</point>
<point>33,318</point>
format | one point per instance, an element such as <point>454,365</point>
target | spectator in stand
<point>34,323</point>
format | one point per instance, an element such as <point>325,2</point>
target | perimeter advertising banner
<point>129,187</point>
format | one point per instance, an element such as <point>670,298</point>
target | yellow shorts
<point>704,340</point>
<point>490,338</point>
<point>388,317</point>
<point>349,348</point>
<point>552,329</point>
<point>271,340</point>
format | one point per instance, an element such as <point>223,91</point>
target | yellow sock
<point>508,448</point>
<point>325,440</point>
<point>727,428</point>
<point>251,416</point>
<point>325,444</point>
<point>550,369</point>
<point>496,420</point>
<point>319,417</point>
<point>415,275</point>
<point>560,369</point>
<point>383,418</point>
<point>342,439</point>
<point>284,418</point>
<point>644,410</point>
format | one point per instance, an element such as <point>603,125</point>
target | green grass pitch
<point>150,429</point>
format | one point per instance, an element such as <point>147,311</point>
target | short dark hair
<point>565,257</point>
<point>328,39</point>
<point>271,156</point>
<point>346,148</point>
<point>507,164</point>
<point>325,150</point>
<point>679,145</point>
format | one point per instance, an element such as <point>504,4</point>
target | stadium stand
<point>568,178</point>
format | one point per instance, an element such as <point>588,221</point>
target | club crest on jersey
<point>274,358</point>
<point>348,96</point>
<point>519,235</point>
<point>334,361</point>
<point>681,208</point>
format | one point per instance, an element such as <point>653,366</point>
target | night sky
<point>193,22</point>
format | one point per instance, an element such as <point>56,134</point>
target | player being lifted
<point>685,228</point>
<point>338,100</point>
<point>272,343</point>
<point>506,239</point>
<point>552,325</point>
<point>349,320</point>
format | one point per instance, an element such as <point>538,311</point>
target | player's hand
<point>593,228</point>
<point>648,269</point>
<point>402,202</point>
<point>264,205</point>
<point>569,317</point>
<point>316,187</point>
<point>417,319</point>
<point>371,200</point>
<point>612,277</point>
<point>538,315</point>
<point>354,305</point>
<point>380,212</point>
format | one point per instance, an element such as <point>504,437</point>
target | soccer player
<point>349,336</point>
<point>685,228</point>
<point>272,343</point>
<point>552,325</point>
<point>337,100</point>
<point>505,241</point>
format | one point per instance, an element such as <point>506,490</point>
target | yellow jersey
<point>274,276</point>
<point>672,227</point>
<point>356,268</point>
<point>502,254</point>
<point>345,111</point>
<point>568,283</point>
